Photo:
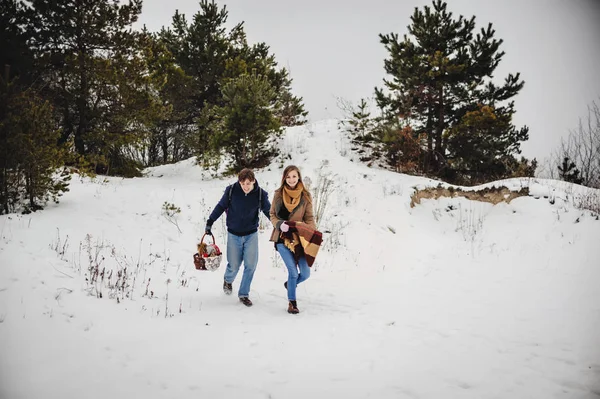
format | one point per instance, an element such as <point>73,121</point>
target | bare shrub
<point>322,192</point>
<point>589,201</point>
<point>59,246</point>
<point>95,274</point>
<point>170,212</point>
<point>582,147</point>
<point>469,223</point>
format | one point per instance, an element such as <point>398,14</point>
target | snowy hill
<point>452,298</point>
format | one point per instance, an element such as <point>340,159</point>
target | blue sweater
<point>242,211</point>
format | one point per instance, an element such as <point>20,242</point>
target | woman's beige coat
<point>302,213</point>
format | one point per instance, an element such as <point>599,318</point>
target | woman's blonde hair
<point>289,169</point>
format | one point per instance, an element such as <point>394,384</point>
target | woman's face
<point>292,179</point>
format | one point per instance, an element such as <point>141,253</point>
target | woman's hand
<point>284,227</point>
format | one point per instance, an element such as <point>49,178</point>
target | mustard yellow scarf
<point>291,198</point>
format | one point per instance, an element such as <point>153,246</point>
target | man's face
<point>247,185</point>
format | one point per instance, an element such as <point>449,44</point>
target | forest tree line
<point>81,88</point>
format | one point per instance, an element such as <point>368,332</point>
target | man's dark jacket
<point>241,208</point>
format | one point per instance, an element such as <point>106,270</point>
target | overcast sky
<point>332,50</point>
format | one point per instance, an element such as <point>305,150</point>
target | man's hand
<point>208,230</point>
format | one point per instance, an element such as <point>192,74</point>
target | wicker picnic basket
<point>209,256</point>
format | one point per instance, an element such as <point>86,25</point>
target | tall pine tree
<point>213,55</point>
<point>29,155</point>
<point>16,58</point>
<point>170,138</point>
<point>89,56</point>
<point>244,126</point>
<point>201,49</point>
<point>440,72</point>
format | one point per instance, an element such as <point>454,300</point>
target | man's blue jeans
<point>294,277</point>
<point>242,249</point>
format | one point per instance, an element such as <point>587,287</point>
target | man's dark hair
<point>246,174</point>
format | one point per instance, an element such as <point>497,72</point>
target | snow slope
<point>449,299</point>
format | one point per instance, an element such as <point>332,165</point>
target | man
<point>242,202</point>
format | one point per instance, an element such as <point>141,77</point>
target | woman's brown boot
<point>293,307</point>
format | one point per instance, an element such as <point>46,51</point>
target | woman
<point>291,202</point>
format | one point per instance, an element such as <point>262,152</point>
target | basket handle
<point>213,238</point>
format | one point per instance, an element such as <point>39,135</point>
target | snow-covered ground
<point>449,299</point>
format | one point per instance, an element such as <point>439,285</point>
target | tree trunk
<point>83,88</point>
<point>440,125</point>
<point>164,145</point>
<point>429,132</point>
<point>153,150</point>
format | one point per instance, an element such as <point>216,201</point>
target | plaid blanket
<point>302,240</point>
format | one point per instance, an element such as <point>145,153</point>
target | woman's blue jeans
<point>296,273</point>
<point>244,248</point>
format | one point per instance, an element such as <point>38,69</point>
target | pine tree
<point>212,56</point>
<point>39,154</point>
<point>170,137</point>
<point>402,149</point>
<point>16,57</point>
<point>201,49</point>
<point>481,145</point>
<point>369,137</point>
<point>568,171</point>
<point>439,73</point>
<point>89,56</point>
<point>289,109</point>
<point>30,155</point>
<point>520,168</point>
<point>245,125</point>
<point>360,124</point>
<point>257,58</point>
